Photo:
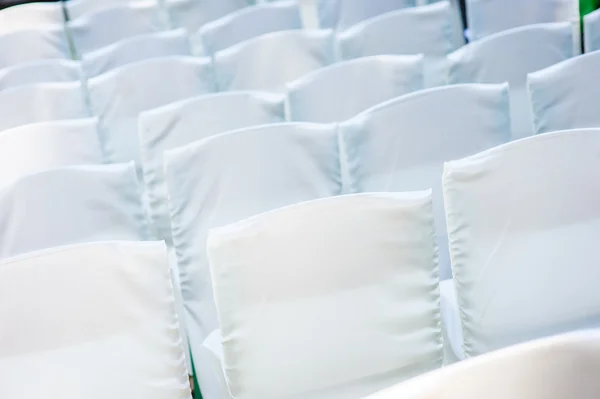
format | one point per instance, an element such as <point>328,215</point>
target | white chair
<point>340,91</point>
<point>523,226</point>
<point>193,14</point>
<point>402,144</point>
<point>119,96</point>
<point>423,30</point>
<point>564,96</point>
<point>226,178</point>
<point>562,367</point>
<point>591,31</point>
<point>33,45</point>
<point>509,56</point>
<point>30,16</point>
<point>342,14</point>
<point>42,102</point>
<point>245,24</point>
<point>41,146</point>
<point>137,48</point>
<point>78,8</point>
<point>183,122</point>
<point>40,72</point>
<point>109,25</point>
<point>71,205</point>
<point>94,320</point>
<point>343,291</point>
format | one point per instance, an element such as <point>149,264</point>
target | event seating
<point>192,14</point>
<point>79,8</point>
<point>340,91</point>
<point>402,144</point>
<point>591,31</point>
<point>91,320</point>
<point>40,72</point>
<point>343,291</point>
<point>33,45</point>
<point>30,16</point>
<point>341,14</point>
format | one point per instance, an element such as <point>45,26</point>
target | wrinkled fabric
<point>91,320</point>
<point>193,14</point>
<point>342,291</point>
<point>41,146</point>
<point>40,72</point>
<point>423,30</point>
<point>183,122</point>
<point>523,225</point>
<point>565,95</point>
<point>508,57</point>
<point>245,24</point>
<point>42,102</point>
<point>33,45</point>
<point>231,176</point>
<point>78,8</point>
<point>402,144</point>
<point>137,48</point>
<point>342,14</point>
<point>71,205</point>
<point>562,367</point>
<point>31,16</point>
<point>342,90</point>
<point>591,31</point>
<point>119,96</point>
<point>270,61</point>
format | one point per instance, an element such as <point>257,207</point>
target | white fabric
<point>423,30</point>
<point>565,95</point>
<point>402,144</point>
<point>33,45</point>
<point>342,291</point>
<point>41,102</point>
<point>231,176</point>
<point>562,367</point>
<point>137,48</point>
<point>109,25</point>
<point>342,90</point>
<point>47,145</point>
<point>485,17</point>
<point>119,96</point>
<point>270,61</point>
<point>40,72</point>
<point>452,328</point>
<point>71,205</point>
<point>523,225</point>
<point>78,8</point>
<point>90,321</point>
<point>591,31</point>
<point>30,17</point>
<point>342,14</point>
<point>245,24</point>
<point>192,14</point>
<point>508,57</point>
<point>183,122</point>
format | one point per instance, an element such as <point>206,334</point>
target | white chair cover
<point>342,90</point>
<point>192,14</point>
<point>270,61</point>
<point>342,14</point>
<point>33,45</point>
<point>343,291</point>
<point>523,225</point>
<point>41,102</point>
<point>231,176</point>
<point>47,145</point>
<point>591,31</point>
<point>245,24</point>
<point>40,72</point>
<point>423,30</point>
<point>78,8</point>
<point>565,95</point>
<point>137,48</point>
<point>402,144</point>
<point>30,17</point>
<point>119,96</point>
<point>90,321</point>
<point>508,57</point>
<point>109,25</point>
<point>562,367</point>
<point>485,17</point>
<point>183,122</point>
<point>71,205</point>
